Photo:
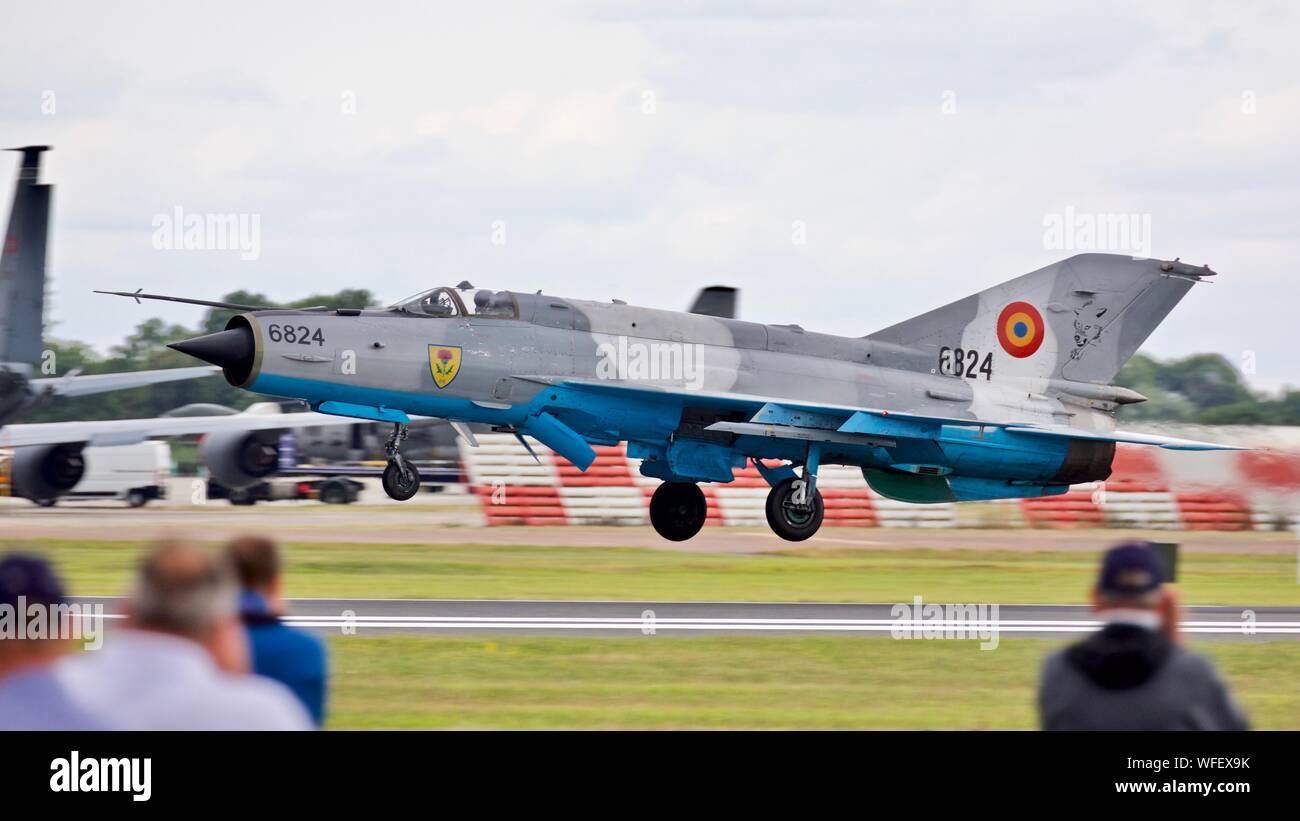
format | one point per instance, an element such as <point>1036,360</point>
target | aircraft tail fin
<point>22,263</point>
<point>1077,320</point>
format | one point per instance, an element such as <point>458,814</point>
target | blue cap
<point>30,577</point>
<point>1130,569</point>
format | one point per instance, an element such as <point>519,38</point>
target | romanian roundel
<point>1020,329</point>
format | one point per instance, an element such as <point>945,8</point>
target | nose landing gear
<point>401,479</point>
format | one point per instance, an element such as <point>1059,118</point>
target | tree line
<point>1204,389</point>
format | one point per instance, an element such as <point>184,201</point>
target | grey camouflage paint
<point>1098,309</point>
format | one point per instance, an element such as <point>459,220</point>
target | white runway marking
<point>487,623</point>
<point>656,624</point>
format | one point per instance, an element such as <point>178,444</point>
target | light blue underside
<point>565,418</point>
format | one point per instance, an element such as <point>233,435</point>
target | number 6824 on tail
<point>965,362</point>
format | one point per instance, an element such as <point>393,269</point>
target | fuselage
<point>611,372</point>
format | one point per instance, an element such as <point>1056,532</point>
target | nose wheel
<point>401,479</point>
<point>678,510</point>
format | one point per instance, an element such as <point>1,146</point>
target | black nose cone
<point>231,350</point>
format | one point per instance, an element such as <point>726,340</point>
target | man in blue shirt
<point>292,657</point>
<point>31,695</point>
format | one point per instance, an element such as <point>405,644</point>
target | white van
<point>133,473</point>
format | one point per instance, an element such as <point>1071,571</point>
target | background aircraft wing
<point>129,431</point>
<point>102,382</point>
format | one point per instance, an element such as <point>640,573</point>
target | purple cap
<point>31,577</point>
<point>1130,569</point>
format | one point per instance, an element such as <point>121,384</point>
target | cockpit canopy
<point>463,300</point>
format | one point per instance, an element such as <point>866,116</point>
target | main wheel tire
<point>678,510</point>
<point>50,502</point>
<point>789,521</point>
<point>334,493</point>
<point>137,498</point>
<point>398,486</point>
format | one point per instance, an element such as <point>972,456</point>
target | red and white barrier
<point>1149,488</point>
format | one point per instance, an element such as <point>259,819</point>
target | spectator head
<point>1131,578</point>
<point>27,580</point>
<point>182,590</point>
<point>258,566</point>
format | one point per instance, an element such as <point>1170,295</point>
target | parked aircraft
<point>22,307</point>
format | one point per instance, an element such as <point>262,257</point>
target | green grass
<point>745,682</point>
<point>520,572</point>
<point>704,682</point>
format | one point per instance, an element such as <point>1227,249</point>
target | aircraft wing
<point>794,419</point>
<point>74,385</point>
<point>756,401</point>
<point>129,431</point>
<point>1167,442</point>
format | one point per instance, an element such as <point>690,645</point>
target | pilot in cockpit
<point>443,302</point>
<point>439,303</point>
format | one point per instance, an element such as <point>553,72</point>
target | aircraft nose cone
<point>231,350</point>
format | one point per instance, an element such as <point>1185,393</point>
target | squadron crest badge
<point>444,364</point>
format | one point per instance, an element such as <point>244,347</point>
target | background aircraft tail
<point>22,263</point>
<point>715,300</point>
<point>1079,320</point>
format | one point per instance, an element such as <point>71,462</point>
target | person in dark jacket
<point>1134,674</point>
<point>290,656</point>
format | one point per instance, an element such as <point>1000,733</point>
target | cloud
<point>641,151</point>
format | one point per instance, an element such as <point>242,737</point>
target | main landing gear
<point>794,505</point>
<point>678,510</point>
<point>401,479</point>
<point>792,513</point>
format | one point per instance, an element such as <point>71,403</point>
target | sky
<point>846,165</point>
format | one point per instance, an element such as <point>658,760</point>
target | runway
<point>448,521</point>
<point>369,617</point>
